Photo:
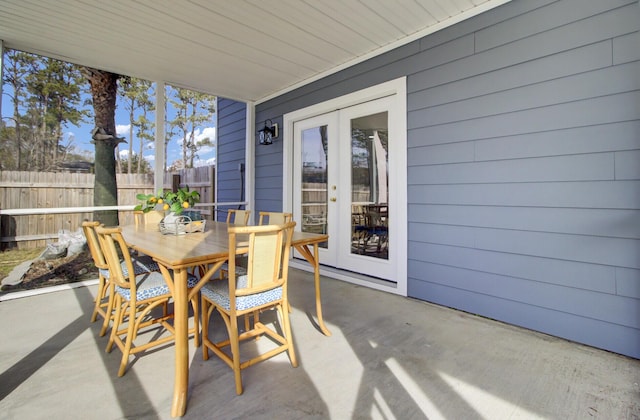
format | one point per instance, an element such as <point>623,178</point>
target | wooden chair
<point>238,217</point>
<point>142,218</point>
<point>263,287</point>
<point>274,218</point>
<point>270,218</point>
<point>103,302</point>
<point>234,217</point>
<point>135,297</point>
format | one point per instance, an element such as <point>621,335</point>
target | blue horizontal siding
<point>523,131</point>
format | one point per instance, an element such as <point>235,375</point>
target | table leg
<point>314,260</point>
<point>181,314</point>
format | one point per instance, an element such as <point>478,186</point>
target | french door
<point>345,170</point>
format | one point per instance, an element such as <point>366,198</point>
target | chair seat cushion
<point>151,285</point>
<point>218,292</point>
<point>142,264</point>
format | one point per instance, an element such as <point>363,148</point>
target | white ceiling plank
<point>243,49</point>
<point>410,17</point>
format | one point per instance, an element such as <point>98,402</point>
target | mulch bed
<point>47,273</point>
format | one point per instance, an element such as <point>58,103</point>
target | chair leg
<point>247,320</point>
<point>284,315</point>
<point>108,311</point>
<point>117,320</point>
<point>99,297</point>
<point>235,353</point>
<point>206,310</point>
<point>128,341</point>
<point>247,323</point>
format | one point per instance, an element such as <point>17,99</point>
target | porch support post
<point>158,177</point>
<point>249,158</point>
<point>1,74</point>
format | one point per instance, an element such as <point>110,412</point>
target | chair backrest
<point>114,246</point>
<point>274,218</point>
<point>89,230</point>
<point>238,217</point>
<point>267,248</point>
<point>151,217</point>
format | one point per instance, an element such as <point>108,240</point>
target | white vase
<point>172,223</point>
<point>170,218</point>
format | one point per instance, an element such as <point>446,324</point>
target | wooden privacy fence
<point>38,190</point>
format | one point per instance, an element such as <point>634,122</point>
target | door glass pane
<point>314,180</point>
<point>370,186</point>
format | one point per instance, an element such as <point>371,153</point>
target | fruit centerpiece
<point>179,218</point>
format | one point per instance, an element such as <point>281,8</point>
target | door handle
<point>333,199</point>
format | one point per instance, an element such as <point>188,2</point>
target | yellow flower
<point>185,205</point>
<point>166,207</point>
<point>160,200</point>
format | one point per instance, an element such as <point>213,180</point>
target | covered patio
<point>389,357</point>
<point>521,205</point>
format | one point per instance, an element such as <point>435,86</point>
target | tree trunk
<point>103,90</point>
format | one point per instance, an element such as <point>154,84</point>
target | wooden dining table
<point>182,254</point>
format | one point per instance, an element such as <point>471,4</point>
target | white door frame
<point>396,87</point>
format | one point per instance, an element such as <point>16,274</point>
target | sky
<point>80,136</point>
<point>81,139</point>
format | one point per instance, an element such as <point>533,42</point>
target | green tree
<point>139,164</point>
<point>145,126</point>
<point>136,97</point>
<point>104,89</point>
<point>15,67</point>
<point>46,96</point>
<point>8,160</point>
<point>55,89</point>
<point>144,132</point>
<point>193,110</point>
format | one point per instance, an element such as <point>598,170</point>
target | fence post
<point>175,182</point>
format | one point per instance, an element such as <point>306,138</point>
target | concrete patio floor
<point>388,358</point>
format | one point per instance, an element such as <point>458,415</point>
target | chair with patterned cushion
<point>103,302</point>
<point>270,218</point>
<point>135,297</point>
<point>238,217</point>
<point>151,217</point>
<point>274,218</point>
<point>234,217</point>
<point>263,287</point>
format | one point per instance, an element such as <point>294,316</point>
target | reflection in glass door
<point>314,180</point>
<point>370,186</point>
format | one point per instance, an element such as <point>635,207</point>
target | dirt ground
<point>46,273</point>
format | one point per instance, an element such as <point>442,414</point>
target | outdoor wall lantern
<point>268,133</point>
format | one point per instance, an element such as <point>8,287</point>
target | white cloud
<point>123,130</point>
<point>207,132</point>
<point>200,135</point>
<point>204,150</point>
